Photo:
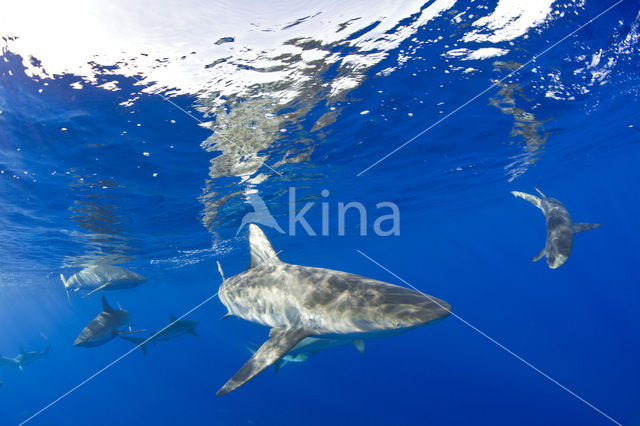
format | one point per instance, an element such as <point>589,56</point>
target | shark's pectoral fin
<point>536,201</point>
<point>276,330</point>
<point>120,333</point>
<point>279,363</point>
<point>540,192</point>
<point>540,255</point>
<point>102,287</point>
<point>581,227</point>
<point>272,350</point>
<point>194,332</point>
<point>359,344</point>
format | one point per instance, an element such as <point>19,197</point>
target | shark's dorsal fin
<point>172,318</point>
<point>105,305</point>
<point>260,247</point>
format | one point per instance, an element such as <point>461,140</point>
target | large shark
<point>175,329</point>
<point>300,301</point>
<point>101,277</point>
<point>560,228</point>
<point>107,325</point>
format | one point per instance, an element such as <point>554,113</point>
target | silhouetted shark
<point>101,277</point>
<point>560,228</point>
<point>24,358</point>
<point>175,329</point>
<point>104,327</point>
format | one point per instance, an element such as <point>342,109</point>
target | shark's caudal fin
<point>271,351</point>
<point>46,351</point>
<point>260,247</point>
<point>194,332</point>
<point>581,227</point>
<point>138,341</point>
<point>536,201</point>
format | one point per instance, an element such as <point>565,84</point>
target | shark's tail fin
<point>536,201</point>
<point>66,287</point>
<point>138,341</point>
<point>46,351</point>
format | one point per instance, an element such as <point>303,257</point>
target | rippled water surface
<point>147,135</point>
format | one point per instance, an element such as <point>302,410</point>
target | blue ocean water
<point>117,163</point>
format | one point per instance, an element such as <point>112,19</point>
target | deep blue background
<point>464,239</point>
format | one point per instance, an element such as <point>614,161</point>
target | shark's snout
<point>556,261</point>
<point>425,310</point>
